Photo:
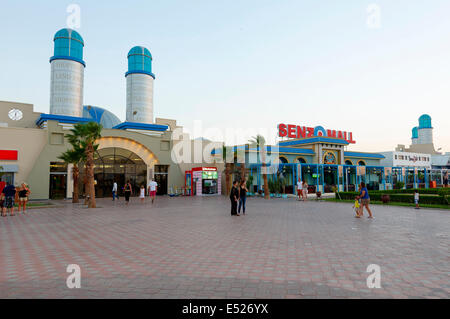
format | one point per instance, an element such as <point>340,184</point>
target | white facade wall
<point>406,159</point>
<point>139,98</point>
<point>66,88</point>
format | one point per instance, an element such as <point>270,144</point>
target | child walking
<point>142,194</point>
<point>416,198</point>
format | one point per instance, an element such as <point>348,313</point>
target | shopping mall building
<point>138,149</point>
<point>142,148</point>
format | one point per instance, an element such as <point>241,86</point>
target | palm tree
<point>228,169</point>
<point>260,143</point>
<point>73,156</point>
<point>84,136</point>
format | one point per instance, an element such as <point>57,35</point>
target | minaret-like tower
<point>425,131</point>
<point>140,86</point>
<point>67,74</point>
<point>415,135</point>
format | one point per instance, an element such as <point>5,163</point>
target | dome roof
<point>425,121</point>
<point>140,61</point>
<point>138,50</point>
<point>415,132</point>
<point>69,34</point>
<point>68,44</point>
<point>101,116</point>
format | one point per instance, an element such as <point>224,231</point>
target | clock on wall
<point>15,114</point>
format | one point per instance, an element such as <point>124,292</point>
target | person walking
<point>9,193</point>
<point>242,197</point>
<point>365,200</point>
<point>299,189</point>
<point>305,190</point>
<point>416,198</point>
<point>24,192</point>
<point>142,193</point>
<point>152,187</point>
<point>114,191</point>
<point>2,205</point>
<point>234,197</point>
<point>128,190</point>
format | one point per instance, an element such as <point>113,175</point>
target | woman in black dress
<point>234,197</point>
<point>127,191</point>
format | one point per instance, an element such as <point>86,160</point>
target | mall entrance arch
<point>120,159</point>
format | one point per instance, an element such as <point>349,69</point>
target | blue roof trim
<point>366,155</point>
<point>62,119</point>
<point>65,57</point>
<point>141,126</point>
<point>314,140</point>
<point>140,72</point>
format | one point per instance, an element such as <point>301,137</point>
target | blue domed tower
<point>67,74</point>
<point>139,86</point>
<point>425,130</point>
<point>415,135</point>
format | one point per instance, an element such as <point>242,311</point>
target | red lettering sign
<point>296,131</point>
<point>282,132</point>
<point>7,155</point>
<point>291,131</point>
<point>301,132</point>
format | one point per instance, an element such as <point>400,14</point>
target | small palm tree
<point>73,156</point>
<point>85,135</point>
<point>260,143</point>
<point>228,169</point>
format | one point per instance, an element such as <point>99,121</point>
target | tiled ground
<point>193,248</point>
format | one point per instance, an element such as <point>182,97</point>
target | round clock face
<point>15,114</point>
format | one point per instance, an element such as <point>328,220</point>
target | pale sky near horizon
<point>240,64</point>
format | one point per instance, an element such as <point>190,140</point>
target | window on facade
<point>58,167</point>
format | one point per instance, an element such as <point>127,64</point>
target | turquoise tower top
<point>140,61</point>
<point>425,121</point>
<point>68,46</point>
<point>415,132</point>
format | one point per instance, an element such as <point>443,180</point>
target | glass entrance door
<point>58,184</point>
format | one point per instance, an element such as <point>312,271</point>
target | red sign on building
<point>8,155</point>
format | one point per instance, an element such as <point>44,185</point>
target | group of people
<point>302,190</point>
<point>128,191</point>
<point>11,194</point>
<point>238,196</point>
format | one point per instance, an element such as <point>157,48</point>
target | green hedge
<point>402,198</point>
<point>436,191</point>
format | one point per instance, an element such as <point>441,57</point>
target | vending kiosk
<point>201,181</point>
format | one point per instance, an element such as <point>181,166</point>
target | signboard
<point>8,155</point>
<point>296,131</point>
<point>341,171</point>
<point>387,171</point>
<point>209,175</point>
<point>361,170</point>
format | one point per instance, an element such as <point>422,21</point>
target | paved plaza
<point>193,248</point>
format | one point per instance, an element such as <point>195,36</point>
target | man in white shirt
<point>114,191</point>
<point>152,189</point>
<point>299,189</point>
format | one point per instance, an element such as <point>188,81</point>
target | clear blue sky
<point>250,63</point>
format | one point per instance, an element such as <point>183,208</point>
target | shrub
<point>400,197</point>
